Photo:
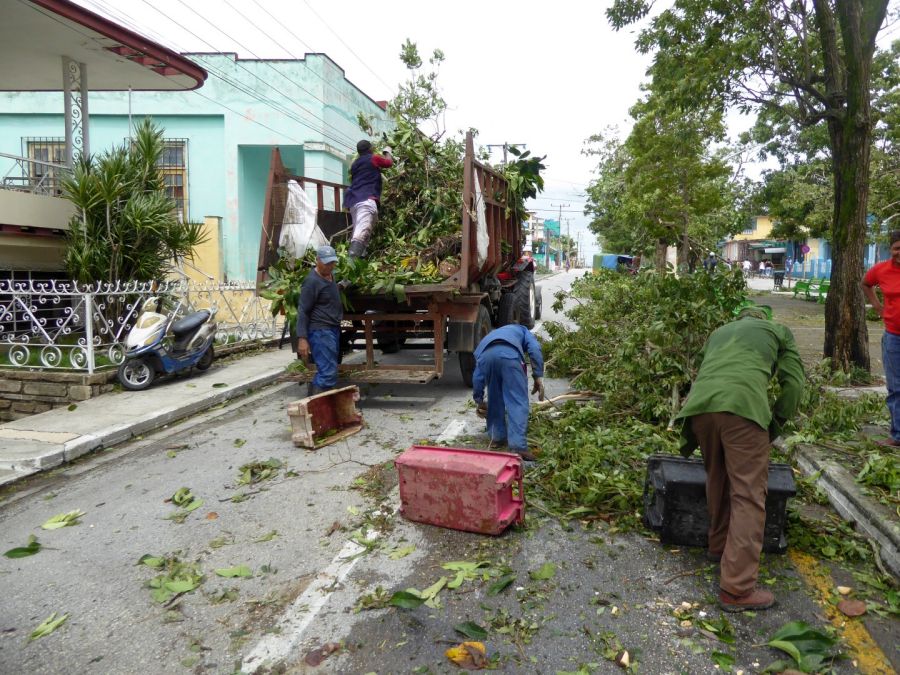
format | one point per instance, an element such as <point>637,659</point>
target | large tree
<point>665,184</point>
<point>810,59</point>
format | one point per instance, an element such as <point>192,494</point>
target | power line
<point>341,40</point>
<point>234,84</point>
<point>215,73</point>
<point>294,35</point>
<point>347,141</point>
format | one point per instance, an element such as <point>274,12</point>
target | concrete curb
<point>876,521</point>
<point>50,455</point>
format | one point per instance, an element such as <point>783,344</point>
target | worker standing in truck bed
<point>363,195</point>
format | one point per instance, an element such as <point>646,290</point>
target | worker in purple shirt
<point>361,198</point>
<point>500,364</point>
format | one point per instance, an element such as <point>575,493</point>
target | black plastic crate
<point>675,502</point>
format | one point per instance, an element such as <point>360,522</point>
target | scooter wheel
<point>136,374</point>
<point>205,360</point>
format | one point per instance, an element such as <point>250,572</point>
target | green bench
<point>812,289</point>
<point>802,285</point>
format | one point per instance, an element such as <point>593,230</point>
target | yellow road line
<point>863,649</point>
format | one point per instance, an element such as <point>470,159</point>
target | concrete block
<point>59,389</point>
<point>80,392</point>
<point>10,386</point>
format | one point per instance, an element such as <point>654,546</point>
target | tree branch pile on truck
<point>490,285</point>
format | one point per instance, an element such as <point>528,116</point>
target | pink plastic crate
<point>462,489</point>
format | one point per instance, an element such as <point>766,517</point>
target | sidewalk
<point>46,440</point>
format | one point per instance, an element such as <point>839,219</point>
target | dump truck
<point>493,286</point>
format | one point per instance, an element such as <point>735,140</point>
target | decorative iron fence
<point>64,325</point>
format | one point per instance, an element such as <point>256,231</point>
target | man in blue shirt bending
<point>500,363</point>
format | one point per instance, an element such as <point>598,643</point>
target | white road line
<point>279,646</point>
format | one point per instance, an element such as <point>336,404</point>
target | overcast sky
<point>548,74</point>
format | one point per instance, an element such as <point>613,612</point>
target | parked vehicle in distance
<point>158,344</point>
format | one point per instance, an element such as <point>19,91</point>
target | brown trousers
<point>736,456</point>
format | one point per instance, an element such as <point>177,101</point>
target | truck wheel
<point>508,309</point>
<point>525,300</point>
<point>467,359</point>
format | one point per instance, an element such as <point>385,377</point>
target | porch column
<point>75,93</point>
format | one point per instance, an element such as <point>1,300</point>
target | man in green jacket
<point>730,419</point>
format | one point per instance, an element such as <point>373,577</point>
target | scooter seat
<point>190,322</point>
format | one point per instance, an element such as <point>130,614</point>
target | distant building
<point>218,140</point>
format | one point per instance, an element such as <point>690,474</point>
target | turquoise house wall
<point>305,107</point>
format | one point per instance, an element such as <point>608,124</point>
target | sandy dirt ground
<point>807,321</point>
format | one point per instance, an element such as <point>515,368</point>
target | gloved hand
<point>481,410</point>
<point>387,151</point>
<point>538,388</point>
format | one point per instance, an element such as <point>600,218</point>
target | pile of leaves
<point>637,342</point>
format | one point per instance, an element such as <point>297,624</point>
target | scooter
<point>159,345</point>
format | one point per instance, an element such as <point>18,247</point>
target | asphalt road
<point>322,539</point>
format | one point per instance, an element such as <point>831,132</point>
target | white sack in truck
<point>482,238</point>
<point>299,230</point>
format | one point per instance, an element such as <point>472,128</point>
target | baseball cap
<point>326,254</point>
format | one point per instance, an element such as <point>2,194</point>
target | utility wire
<point>127,21</point>
<point>286,28</point>
<point>341,40</point>
<point>244,88</point>
<point>346,141</point>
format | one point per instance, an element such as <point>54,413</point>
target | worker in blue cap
<point>500,364</point>
<point>319,314</point>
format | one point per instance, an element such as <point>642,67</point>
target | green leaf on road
<point>171,454</point>
<point>239,442</point>
<point>471,630</point>
<point>723,661</point>
<point>151,560</point>
<point>546,571</point>
<point>238,571</point>
<point>808,646</point>
<point>406,600</point>
<point>219,385</point>
<point>63,520</point>
<point>401,552</point>
<point>269,536</point>
<point>31,548</point>
<point>254,472</point>
<point>501,584</point>
<point>179,586</point>
<point>48,625</point>
<point>72,406</point>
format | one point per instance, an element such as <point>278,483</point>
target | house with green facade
<point>219,140</point>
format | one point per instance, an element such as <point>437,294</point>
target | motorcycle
<point>157,344</point>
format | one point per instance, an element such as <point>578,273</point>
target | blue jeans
<point>324,343</point>
<point>890,355</point>
<point>502,369</point>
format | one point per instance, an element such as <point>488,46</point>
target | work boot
<point>357,249</point>
<point>312,390</point>
<point>526,455</point>
<point>754,600</point>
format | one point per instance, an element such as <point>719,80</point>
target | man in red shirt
<point>886,275</point>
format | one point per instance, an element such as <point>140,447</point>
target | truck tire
<point>467,359</point>
<point>525,293</point>
<point>508,309</point>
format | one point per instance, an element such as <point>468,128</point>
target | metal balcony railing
<point>33,175</point>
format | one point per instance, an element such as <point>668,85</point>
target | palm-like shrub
<point>125,227</point>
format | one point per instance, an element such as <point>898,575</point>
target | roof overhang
<point>36,34</point>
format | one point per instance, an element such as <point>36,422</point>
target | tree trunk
<point>850,132</point>
<point>659,258</point>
